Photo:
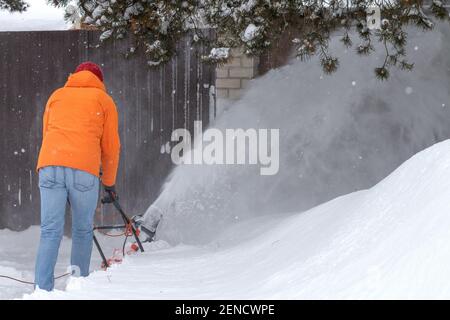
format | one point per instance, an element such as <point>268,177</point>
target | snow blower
<point>131,226</point>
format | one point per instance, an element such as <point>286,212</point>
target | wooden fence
<point>151,103</point>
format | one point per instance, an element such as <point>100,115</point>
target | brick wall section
<point>233,77</point>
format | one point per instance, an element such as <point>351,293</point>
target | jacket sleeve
<point>110,142</point>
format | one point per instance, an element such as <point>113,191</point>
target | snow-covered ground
<point>17,257</point>
<point>390,241</point>
<point>39,16</point>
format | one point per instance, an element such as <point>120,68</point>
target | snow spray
<point>337,134</point>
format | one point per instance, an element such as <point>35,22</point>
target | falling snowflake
<point>408,90</point>
<point>167,147</point>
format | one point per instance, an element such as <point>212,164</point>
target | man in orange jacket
<point>80,137</point>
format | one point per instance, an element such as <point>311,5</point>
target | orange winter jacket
<point>80,128</point>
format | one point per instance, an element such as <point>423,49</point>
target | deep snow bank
<point>338,134</point>
<point>387,242</point>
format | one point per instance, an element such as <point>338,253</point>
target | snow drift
<point>338,134</point>
<point>387,242</point>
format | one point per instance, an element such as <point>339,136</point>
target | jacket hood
<point>85,79</point>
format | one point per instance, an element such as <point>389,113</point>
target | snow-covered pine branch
<point>13,5</point>
<point>256,25</point>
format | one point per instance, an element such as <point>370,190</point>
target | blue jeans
<point>57,186</point>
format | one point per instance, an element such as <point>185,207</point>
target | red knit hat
<point>92,67</point>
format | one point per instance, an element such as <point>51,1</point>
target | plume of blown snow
<point>338,134</point>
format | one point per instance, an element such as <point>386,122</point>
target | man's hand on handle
<point>110,194</point>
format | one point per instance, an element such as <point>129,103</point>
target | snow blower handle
<point>110,195</point>
<point>127,220</point>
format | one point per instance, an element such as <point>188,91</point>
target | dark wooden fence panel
<point>151,103</point>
